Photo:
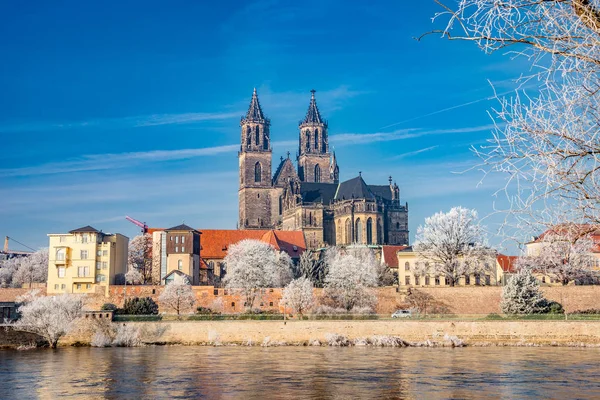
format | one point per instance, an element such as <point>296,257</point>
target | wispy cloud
<point>413,153</point>
<point>119,123</point>
<point>402,134</point>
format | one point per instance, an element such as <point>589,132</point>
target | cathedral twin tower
<point>260,194</point>
<point>310,197</point>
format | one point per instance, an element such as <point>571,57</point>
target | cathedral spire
<point>312,115</point>
<point>255,113</point>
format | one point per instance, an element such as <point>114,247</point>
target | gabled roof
<point>507,263</point>
<point>182,227</point>
<point>284,170</point>
<point>354,188</point>
<point>317,192</point>
<point>381,191</point>
<point>216,242</point>
<point>389,256</point>
<point>312,115</point>
<point>255,112</point>
<point>85,229</point>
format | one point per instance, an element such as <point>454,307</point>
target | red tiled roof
<point>216,242</point>
<point>389,255</point>
<point>572,230</point>
<point>507,263</point>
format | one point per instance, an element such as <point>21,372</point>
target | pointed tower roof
<point>312,115</point>
<point>255,113</point>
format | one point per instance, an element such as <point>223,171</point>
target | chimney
<point>6,243</point>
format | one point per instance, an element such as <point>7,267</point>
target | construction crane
<point>138,223</point>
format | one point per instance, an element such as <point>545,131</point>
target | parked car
<point>402,314</point>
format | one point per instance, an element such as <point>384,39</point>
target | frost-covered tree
<point>452,245</point>
<point>545,143</point>
<point>313,267</point>
<point>252,265</point>
<point>133,277</point>
<point>25,270</point>
<point>178,295</point>
<point>564,253</point>
<point>522,295</point>
<point>352,272</point>
<point>140,256</point>
<point>51,317</point>
<point>298,295</point>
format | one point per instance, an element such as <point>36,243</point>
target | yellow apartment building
<point>85,260</point>
<point>408,259</point>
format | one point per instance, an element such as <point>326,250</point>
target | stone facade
<point>308,196</point>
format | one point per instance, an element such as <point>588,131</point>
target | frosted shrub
<point>454,341</point>
<point>127,336</point>
<point>334,339</point>
<point>101,339</point>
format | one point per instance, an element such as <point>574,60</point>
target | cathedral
<point>308,196</point>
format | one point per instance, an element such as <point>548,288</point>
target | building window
<point>88,286</point>
<point>62,239</point>
<point>427,280</point>
<point>61,272</point>
<point>233,304</point>
<point>83,254</point>
<point>84,238</point>
<point>63,286</point>
<point>99,253</point>
<point>104,253</point>
<point>407,280</point>
<point>397,225</point>
<point>437,280</point>
<point>257,135</point>
<point>98,265</point>
<point>316,139</point>
<point>317,173</point>
<point>176,249</point>
<point>182,249</point>
<point>60,254</point>
<point>182,239</point>
<point>543,279</point>
<point>348,231</point>
<point>56,287</point>
<point>257,172</point>
<point>308,141</point>
<point>100,278</point>
<point>180,264</point>
<point>446,281</point>
<point>176,239</point>
<point>488,280</point>
<point>359,231</point>
<point>104,265</point>
<point>83,271</point>
<point>477,280</point>
<point>79,286</point>
<point>369,231</point>
<point>407,266</point>
<point>417,280</point>
<point>216,292</point>
<point>468,280</point>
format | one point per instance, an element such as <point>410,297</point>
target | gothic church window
<point>280,205</point>
<point>257,172</point>
<point>398,225</point>
<point>348,231</point>
<point>359,232</point>
<point>317,173</point>
<point>316,139</point>
<point>369,231</point>
<point>248,135</point>
<point>257,135</point>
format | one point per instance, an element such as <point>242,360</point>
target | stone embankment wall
<point>472,332</point>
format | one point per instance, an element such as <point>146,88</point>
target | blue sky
<point>132,108</point>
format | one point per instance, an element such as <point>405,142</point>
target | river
<point>301,372</point>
